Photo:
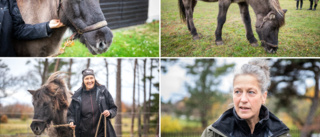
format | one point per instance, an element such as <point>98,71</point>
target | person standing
<point>88,103</point>
<point>301,3</point>
<point>249,116</point>
<point>315,5</point>
<point>13,26</point>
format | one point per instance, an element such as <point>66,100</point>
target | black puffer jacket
<point>13,27</point>
<point>231,125</point>
<point>104,101</point>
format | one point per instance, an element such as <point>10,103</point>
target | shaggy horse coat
<point>51,103</point>
<point>269,16</point>
<point>75,14</point>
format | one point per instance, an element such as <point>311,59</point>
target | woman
<point>13,26</point>
<point>249,116</point>
<point>87,104</point>
<point>301,3</point>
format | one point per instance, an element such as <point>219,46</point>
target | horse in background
<point>270,17</point>
<point>51,103</point>
<point>83,17</point>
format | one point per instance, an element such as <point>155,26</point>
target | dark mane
<point>275,6</point>
<point>51,103</point>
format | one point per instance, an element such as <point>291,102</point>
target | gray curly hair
<point>258,68</point>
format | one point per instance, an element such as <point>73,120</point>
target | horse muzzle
<point>269,47</point>
<point>38,127</point>
<point>98,41</point>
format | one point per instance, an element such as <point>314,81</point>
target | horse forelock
<point>275,5</point>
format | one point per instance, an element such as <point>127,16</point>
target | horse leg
<point>247,22</point>
<point>223,8</point>
<point>189,6</point>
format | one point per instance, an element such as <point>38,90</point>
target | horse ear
<point>285,10</point>
<point>32,92</point>
<point>271,16</point>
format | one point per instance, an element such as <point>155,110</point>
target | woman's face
<point>89,82</point>
<point>247,97</point>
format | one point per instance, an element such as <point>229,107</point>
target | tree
<point>118,99</point>
<point>206,74</point>
<point>139,107</point>
<point>44,71</point>
<point>133,98</point>
<point>88,63</point>
<point>6,81</point>
<point>70,73</point>
<point>287,76</point>
<point>107,74</point>
<point>145,132</point>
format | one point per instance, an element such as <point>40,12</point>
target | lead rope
<point>74,133</point>
<point>66,125</point>
<point>105,126</point>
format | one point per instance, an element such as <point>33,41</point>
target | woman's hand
<point>55,23</point>
<point>106,113</point>
<point>72,126</point>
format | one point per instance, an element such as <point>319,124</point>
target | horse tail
<point>183,9</point>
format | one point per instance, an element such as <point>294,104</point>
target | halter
<point>73,131</point>
<point>93,27</point>
<point>265,18</point>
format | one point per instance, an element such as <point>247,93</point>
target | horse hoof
<point>254,44</point>
<point>219,43</point>
<point>196,37</point>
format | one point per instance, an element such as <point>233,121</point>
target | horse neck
<point>260,7</point>
<point>37,11</point>
<point>60,117</point>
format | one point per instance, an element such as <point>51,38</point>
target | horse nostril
<point>101,44</point>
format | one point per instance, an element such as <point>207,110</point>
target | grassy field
<point>300,37</point>
<point>22,128</point>
<point>139,41</point>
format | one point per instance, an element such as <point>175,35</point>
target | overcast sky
<point>18,67</point>
<point>172,82</point>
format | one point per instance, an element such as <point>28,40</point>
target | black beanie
<point>87,72</point>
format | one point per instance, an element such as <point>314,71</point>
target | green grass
<point>300,37</point>
<point>17,126</point>
<point>140,41</point>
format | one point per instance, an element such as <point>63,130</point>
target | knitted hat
<point>87,72</point>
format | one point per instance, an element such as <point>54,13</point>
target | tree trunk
<point>139,107</point>
<point>144,99</point>
<point>88,63</point>
<point>313,108</point>
<point>56,65</point>
<point>133,98</point>
<point>107,75</point>
<point>70,73</point>
<point>45,71</point>
<point>149,102</point>
<point>118,100</point>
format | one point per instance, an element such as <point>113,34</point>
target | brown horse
<point>84,17</point>
<point>270,17</point>
<point>51,103</point>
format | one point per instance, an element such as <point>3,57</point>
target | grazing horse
<point>83,17</point>
<point>270,17</point>
<point>50,104</point>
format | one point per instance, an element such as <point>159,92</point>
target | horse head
<point>85,18</point>
<point>268,26</point>
<point>49,102</point>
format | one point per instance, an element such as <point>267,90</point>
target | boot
<point>297,4</point>
<point>311,3</point>
<point>315,6</point>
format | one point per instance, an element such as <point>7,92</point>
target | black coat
<point>13,27</point>
<point>105,101</point>
<point>231,125</point>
